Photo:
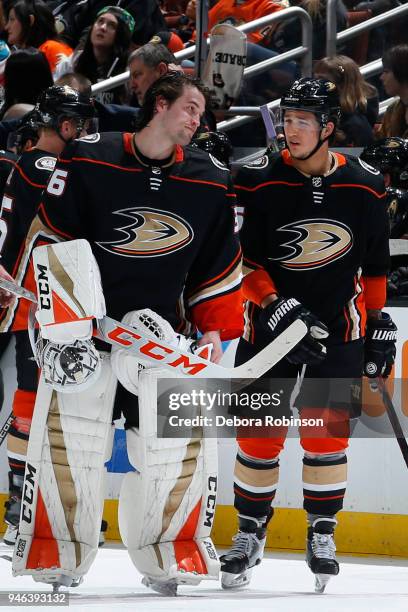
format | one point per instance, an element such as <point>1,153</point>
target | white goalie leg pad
<point>69,290</point>
<point>173,496</point>
<point>70,441</point>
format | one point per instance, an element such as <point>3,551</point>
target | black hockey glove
<point>277,317</point>
<point>379,346</point>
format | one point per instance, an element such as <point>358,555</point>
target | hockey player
<point>60,115</point>
<point>315,240</point>
<point>390,157</point>
<point>159,218</point>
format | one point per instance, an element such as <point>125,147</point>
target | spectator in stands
<point>395,81</point>
<point>30,23</point>
<point>288,34</point>
<point>27,73</point>
<point>73,17</point>
<point>358,100</point>
<point>105,51</point>
<point>237,13</point>
<point>146,65</point>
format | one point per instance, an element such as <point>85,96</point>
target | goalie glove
<point>278,315</point>
<point>379,346</point>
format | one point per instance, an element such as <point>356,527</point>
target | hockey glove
<point>278,315</point>
<point>379,346</point>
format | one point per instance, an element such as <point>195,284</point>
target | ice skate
<point>247,551</point>
<point>321,551</point>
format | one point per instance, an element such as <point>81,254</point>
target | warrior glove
<point>379,346</point>
<point>278,315</point>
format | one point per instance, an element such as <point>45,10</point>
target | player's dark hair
<point>153,54</point>
<point>26,74</point>
<point>396,60</point>
<point>35,33</point>
<point>86,63</point>
<point>170,87</point>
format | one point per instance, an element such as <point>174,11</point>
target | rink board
<point>375,517</point>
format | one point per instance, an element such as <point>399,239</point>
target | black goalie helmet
<point>389,156</point>
<point>61,102</point>
<point>216,143</point>
<point>318,96</point>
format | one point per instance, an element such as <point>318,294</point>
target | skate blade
<point>236,581</point>
<point>321,581</point>
<point>169,588</point>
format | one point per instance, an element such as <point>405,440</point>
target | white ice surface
<point>280,583</point>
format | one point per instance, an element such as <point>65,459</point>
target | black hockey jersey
<point>157,232</point>
<point>21,198</point>
<point>315,237</point>
<point>7,162</point>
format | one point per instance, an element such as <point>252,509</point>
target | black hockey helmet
<point>389,156</point>
<point>318,96</point>
<point>61,102</point>
<point>27,130</point>
<point>216,143</point>
<point>397,206</point>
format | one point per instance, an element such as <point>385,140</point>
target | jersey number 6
<point>57,182</point>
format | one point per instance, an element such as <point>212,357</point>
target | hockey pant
<point>166,506</point>
<point>324,477</point>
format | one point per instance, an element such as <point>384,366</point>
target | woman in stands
<point>105,51</point>
<point>358,100</point>
<point>26,74</point>
<point>30,23</point>
<point>395,81</point>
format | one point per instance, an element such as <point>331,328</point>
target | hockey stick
<point>187,364</point>
<point>394,420</point>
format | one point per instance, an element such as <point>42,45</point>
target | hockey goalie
<point>162,506</point>
<point>166,505</point>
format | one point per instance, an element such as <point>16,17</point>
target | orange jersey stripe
<point>268,183</point>
<point>202,182</point>
<point>358,186</point>
<point>51,226</point>
<point>100,163</point>
<point>27,180</point>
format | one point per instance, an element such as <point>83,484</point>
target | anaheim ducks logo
<point>151,233</point>
<point>316,243</point>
